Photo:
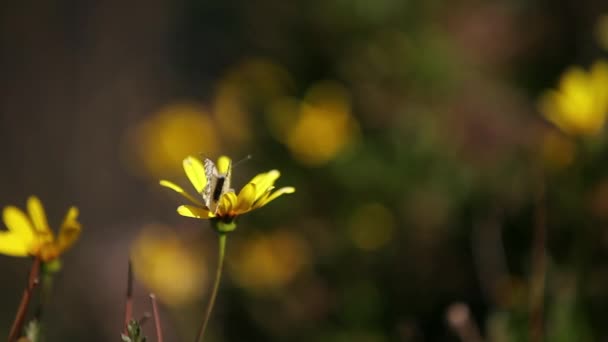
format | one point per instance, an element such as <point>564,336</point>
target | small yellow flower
<point>580,105</point>
<point>256,194</point>
<point>31,235</point>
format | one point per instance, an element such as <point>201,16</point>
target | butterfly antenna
<point>244,159</point>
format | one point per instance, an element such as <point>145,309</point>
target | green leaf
<point>134,333</point>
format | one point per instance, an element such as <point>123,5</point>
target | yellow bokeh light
<point>160,143</point>
<point>371,226</point>
<point>321,127</point>
<point>245,89</point>
<point>270,261</point>
<point>168,266</point>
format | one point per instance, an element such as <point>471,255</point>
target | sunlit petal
<point>196,173</point>
<point>262,198</point>
<point>180,191</point>
<point>263,181</point>
<point>195,212</point>
<point>18,224</point>
<point>245,199</point>
<point>38,217</point>
<point>13,245</point>
<point>69,231</point>
<point>274,195</point>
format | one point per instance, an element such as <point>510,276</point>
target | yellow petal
<point>245,199</point>
<point>264,181</point>
<point>12,245</point>
<point>227,203</point>
<point>38,217</point>
<point>196,173</point>
<point>192,211</point>
<point>262,198</point>
<point>180,191</point>
<point>281,191</point>
<point>69,231</point>
<point>18,224</point>
<point>223,163</point>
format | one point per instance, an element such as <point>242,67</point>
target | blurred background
<point>414,132</point>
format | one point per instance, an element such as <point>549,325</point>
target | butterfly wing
<point>217,185</point>
<point>212,176</point>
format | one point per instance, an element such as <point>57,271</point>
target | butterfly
<point>217,185</point>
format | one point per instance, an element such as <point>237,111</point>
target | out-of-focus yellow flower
<point>557,149</point>
<point>167,266</point>
<point>245,89</point>
<point>256,194</point>
<point>159,143</point>
<point>580,105</point>
<point>321,127</point>
<point>270,261</point>
<point>371,226</point>
<point>29,234</point>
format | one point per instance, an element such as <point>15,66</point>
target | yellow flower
<point>580,105</point>
<point>31,235</point>
<point>256,194</point>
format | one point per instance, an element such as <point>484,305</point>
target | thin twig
<point>129,297</point>
<point>25,301</point>
<point>159,331</point>
<point>216,285</point>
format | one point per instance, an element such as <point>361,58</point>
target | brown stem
<point>159,332</point>
<point>25,301</point>
<point>539,267</point>
<point>129,298</point>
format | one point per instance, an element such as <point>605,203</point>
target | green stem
<point>216,285</point>
<point>45,293</point>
